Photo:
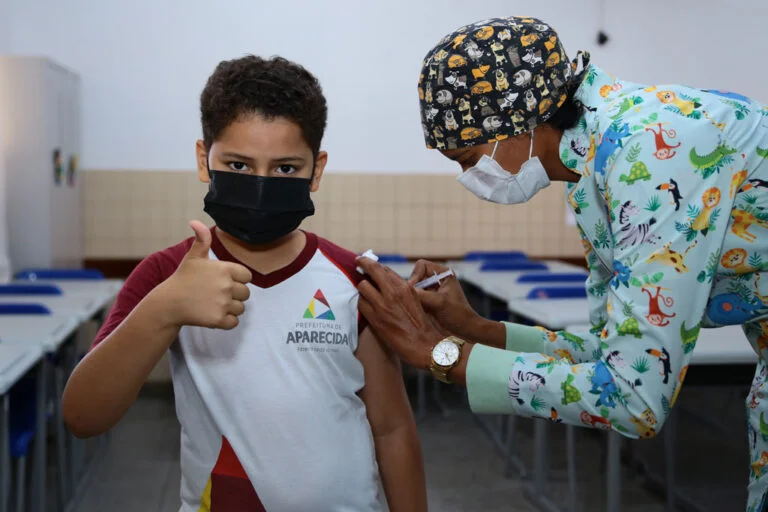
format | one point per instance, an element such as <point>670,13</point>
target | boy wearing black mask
<point>287,402</point>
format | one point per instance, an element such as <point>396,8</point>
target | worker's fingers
<point>424,269</point>
<point>385,278</point>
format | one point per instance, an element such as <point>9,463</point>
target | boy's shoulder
<point>344,259</point>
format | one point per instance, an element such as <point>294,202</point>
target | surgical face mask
<point>489,181</point>
<point>257,209</point>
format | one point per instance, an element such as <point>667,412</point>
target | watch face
<point>445,353</point>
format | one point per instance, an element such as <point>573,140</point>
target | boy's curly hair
<point>272,88</point>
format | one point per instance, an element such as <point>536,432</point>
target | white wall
<point>144,62</point>
<point>5,26</point>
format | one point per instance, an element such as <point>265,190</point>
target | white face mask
<point>489,181</point>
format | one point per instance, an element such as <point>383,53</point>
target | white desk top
<point>553,313</point>
<point>47,331</point>
<point>83,307</point>
<point>81,286</point>
<point>723,345</point>
<point>105,291</point>
<point>16,360</point>
<point>470,272</point>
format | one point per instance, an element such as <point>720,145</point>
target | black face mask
<point>256,209</point>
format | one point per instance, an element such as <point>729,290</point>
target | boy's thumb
<point>202,243</point>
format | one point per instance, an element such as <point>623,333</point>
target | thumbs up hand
<point>205,292</point>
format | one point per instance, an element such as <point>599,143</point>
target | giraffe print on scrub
<point>672,208</point>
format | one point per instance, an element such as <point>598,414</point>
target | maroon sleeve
<point>346,262</point>
<point>152,271</point>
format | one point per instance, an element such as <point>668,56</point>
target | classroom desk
<point>470,270</point>
<point>82,307</point>
<point>15,361</point>
<point>554,314</point>
<point>715,346</point>
<point>47,334</point>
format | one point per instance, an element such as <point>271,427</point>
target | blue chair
<point>392,258</point>
<point>29,289</point>
<point>552,278</point>
<point>495,255</point>
<point>60,274</point>
<point>557,292</point>
<point>24,309</point>
<point>512,266</point>
<point>23,427</point>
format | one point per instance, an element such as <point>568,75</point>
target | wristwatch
<point>445,355</point>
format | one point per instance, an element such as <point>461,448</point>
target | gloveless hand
<point>445,302</point>
<point>205,292</point>
<point>395,314</point>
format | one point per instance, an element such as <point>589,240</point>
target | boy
<point>284,397</point>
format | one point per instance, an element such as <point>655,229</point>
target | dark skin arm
<point>448,305</point>
<point>398,451</point>
<point>395,314</point>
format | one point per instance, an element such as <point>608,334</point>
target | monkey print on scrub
<point>672,207</point>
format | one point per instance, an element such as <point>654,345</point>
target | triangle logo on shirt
<point>318,308</point>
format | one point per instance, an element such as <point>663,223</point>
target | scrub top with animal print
<point>672,206</point>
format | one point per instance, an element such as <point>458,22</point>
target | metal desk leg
<point>570,442</point>
<point>613,477</point>
<point>421,381</point>
<point>511,457</point>
<point>5,454</point>
<point>670,436</point>
<point>61,440</point>
<point>38,482</point>
<point>436,397</point>
<point>541,455</point>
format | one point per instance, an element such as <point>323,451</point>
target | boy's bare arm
<point>201,292</point>
<point>398,450</point>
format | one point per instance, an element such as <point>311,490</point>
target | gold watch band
<point>441,372</point>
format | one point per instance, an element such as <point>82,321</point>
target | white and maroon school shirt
<point>269,412</point>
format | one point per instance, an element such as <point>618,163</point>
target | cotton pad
<point>367,254</point>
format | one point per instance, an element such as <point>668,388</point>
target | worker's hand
<point>395,314</point>
<point>446,303</point>
<point>205,292</point>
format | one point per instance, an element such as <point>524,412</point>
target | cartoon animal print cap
<point>494,79</point>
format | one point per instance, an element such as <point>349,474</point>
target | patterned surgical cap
<point>494,79</point>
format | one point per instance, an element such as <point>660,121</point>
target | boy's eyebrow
<point>238,156</point>
<point>287,159</point>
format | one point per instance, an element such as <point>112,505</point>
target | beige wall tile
<point>131,214</point>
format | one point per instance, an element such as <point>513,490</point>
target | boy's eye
<point>238,166</point>
<point>286,169</point>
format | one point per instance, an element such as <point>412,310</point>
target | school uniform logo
<point>318,308</point>
<point>319,331</point>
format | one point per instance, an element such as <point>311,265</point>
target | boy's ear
<point>201,156</point>
<point>320,160</point>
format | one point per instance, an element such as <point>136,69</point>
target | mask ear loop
<point>495,147</point>
<point>530,150</point>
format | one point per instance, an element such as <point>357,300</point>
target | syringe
<point>435,279</point>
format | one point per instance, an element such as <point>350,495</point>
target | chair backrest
<point>512,266</point>
<point>495,255</point>
<point>557,292</point>
<point>60,274</point>
<point>29,289</point>
<point>392,258</point>
<point>22,417</point>
<point>573,277</point>
<point>24,309</point>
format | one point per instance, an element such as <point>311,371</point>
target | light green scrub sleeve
<point>524,338</point>
<point>488,371</point>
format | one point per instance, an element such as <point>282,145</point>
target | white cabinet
<point>40,143</point>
